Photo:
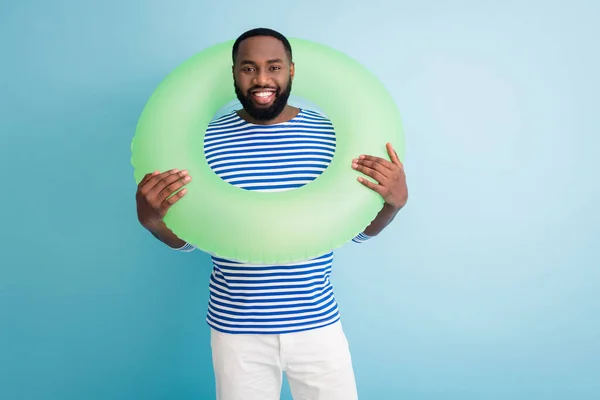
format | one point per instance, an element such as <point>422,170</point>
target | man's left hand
<point>388,173</point>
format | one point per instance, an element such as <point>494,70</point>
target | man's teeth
<point>263,94</point>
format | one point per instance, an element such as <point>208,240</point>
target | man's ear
<point>292,70</point>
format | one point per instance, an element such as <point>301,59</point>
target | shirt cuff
<point>361,237</point>
<point>186,248</point>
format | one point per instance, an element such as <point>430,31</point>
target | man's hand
<point>389,175</point>
<point>152,197</point>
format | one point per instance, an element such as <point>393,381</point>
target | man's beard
<point>264,114</point>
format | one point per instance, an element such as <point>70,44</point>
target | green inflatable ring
<point>276,227</point>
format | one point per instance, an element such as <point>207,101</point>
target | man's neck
<point>288,113</point>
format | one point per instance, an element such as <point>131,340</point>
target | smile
<point>263,96</point>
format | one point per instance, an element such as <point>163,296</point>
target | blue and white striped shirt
<point>247,298</point>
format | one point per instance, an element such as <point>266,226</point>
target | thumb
<point>393,155</point>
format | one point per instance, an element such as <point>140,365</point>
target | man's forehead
<point>261,47</point>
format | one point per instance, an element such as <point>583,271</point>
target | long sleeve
<point>186,248</point>
<point>361,237</point>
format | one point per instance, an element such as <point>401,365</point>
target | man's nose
<point>261,78</point>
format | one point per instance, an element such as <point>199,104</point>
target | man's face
<point>263,77</point>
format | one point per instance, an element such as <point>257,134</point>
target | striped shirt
<point>281,298</point>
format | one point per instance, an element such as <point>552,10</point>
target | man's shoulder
<point>313,115</point>
<point>224,119</point>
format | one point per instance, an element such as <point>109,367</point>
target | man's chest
<point>275,161</point>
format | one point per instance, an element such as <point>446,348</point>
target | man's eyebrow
<point>274,60</point>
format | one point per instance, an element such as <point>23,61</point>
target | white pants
<point>317,364</point>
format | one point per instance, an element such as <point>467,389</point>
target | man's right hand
<point>154,199</point>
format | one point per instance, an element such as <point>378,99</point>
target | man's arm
<point>383,219</point>
<point>167,236</point>
<point>155,195</point>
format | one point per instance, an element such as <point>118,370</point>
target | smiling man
<point>267,320</point>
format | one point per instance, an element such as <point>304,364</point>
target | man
<point>269,319</point>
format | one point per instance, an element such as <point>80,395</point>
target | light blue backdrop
<point>485,287</point>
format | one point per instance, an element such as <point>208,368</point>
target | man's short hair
<point>261,32</point>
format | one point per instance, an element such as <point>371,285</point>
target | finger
<point>165,205</point>
<point>375,165</point>
<point>372,172</point>
<point>164,180</point>
<point>372,160</point>
<point>393,155</point>
<point>146,178</point>
<point>154,180</point>
<point>168,179</point>
<point>373,186</point>
<point>173,187</point>
<point>400,164</point>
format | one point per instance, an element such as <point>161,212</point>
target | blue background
<point>486,286</point>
